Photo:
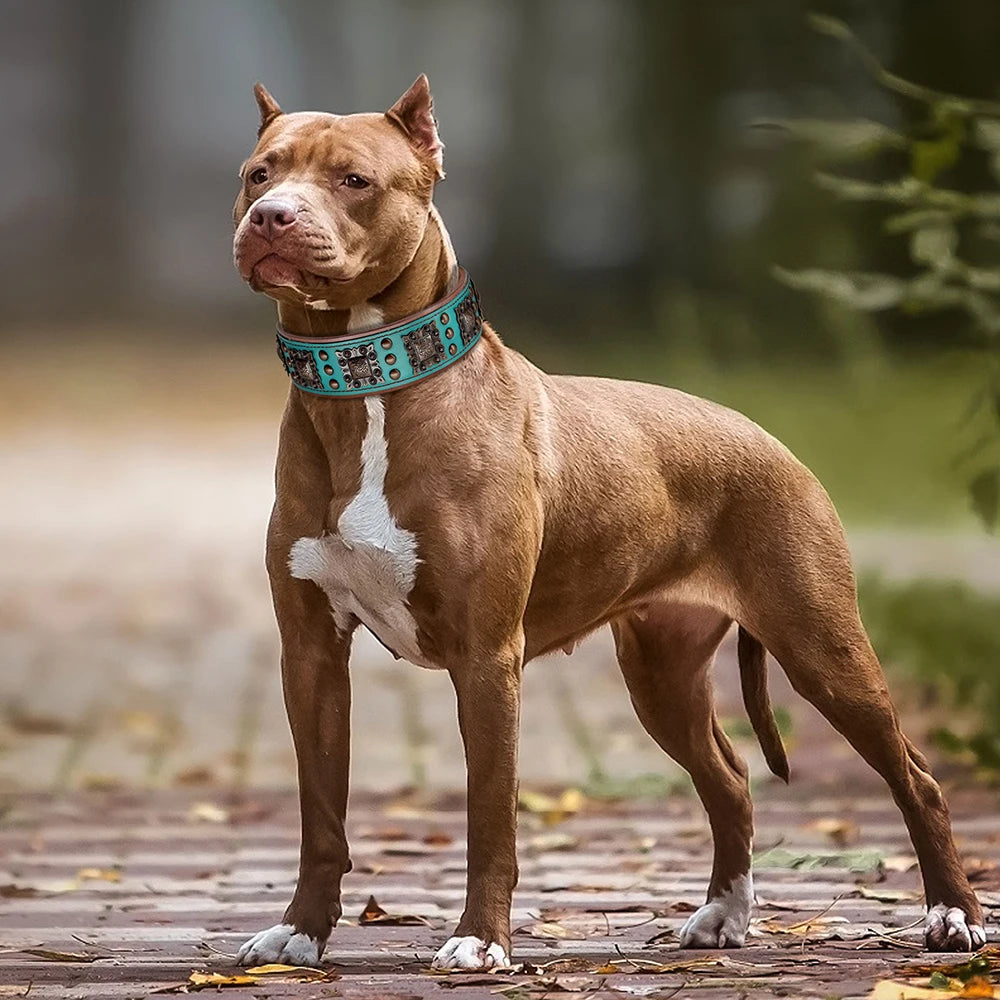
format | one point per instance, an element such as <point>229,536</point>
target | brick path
<point>191,882</point>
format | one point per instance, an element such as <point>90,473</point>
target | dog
<point>486,513</point>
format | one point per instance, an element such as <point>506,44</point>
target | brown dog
<point>491,513</point>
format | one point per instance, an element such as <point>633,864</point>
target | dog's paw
<point>947,928</point>
<point>470,953</point>
<point>723,921</point>
<point>281,944</point>
<point>715,925</point>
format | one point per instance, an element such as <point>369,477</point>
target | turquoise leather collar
<point>388,357</point>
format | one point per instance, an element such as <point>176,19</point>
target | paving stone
<point>611,895</point>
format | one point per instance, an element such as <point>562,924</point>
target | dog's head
<point>333,207</point>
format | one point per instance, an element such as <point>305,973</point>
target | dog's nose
<point>271,218</point>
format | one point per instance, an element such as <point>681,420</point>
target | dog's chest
<point>367,568</point>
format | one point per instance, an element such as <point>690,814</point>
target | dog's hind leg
<point>830,662</point>
<point>666,655</point>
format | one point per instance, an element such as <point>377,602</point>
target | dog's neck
<point>426,278</point>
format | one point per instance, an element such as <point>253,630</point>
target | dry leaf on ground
<point>207,812</point>
<point>204,980</point>
<point>841,831</point>
<point>99,875</point>
<point>59,956</point>
<point>551,810</point>
<point>887,989</point>
<point>374,914</point>
<point>547,931</point>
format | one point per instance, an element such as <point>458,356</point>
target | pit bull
<point>475,513</point>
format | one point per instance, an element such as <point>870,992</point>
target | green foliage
<point>952,234</point>
<point>946,636</point>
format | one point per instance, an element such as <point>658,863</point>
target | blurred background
<point>791,208</point>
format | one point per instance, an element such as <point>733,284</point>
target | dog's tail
<point>753,679</point>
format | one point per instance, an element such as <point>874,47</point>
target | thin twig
<point>822,913</point>
<point>836,28</point>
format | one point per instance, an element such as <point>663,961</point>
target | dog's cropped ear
<point>269,109</point>
<point>414,114</point>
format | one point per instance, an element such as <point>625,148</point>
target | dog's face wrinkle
<point>356,240</point>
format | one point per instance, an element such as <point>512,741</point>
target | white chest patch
<point>368,567</point>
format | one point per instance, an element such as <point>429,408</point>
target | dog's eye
<point>258,175</point>
<point>355,181</point>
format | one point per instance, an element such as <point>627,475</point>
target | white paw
<point>948,929</point>
<point>722,922</point>
<point>470,953</point>
<point>280,944</point>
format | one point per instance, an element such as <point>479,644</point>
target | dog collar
<point>388,357</point>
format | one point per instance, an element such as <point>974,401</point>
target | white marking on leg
<point>722,922</point>
<point>470,953</point>
<point>281,944</point>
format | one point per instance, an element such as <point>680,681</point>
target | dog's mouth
<point>275,271</point>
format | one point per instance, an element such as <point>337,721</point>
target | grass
<point>881,437</point>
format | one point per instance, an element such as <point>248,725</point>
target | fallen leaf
<point>546,931</point>
<point>840,831</point>
<point>99,875</point>
<point>207,812</point>
<point>100,782</point>
<point>387,833</point>
<point>439,839</point>
<point>804,928</point>
<point>31,724</point>
<point>200,775</point>
<point>887,989</point>
<point>859,860</point>
<point>888,895</point>
<point>900,863</point>
<point>374,914</point>
<point>553,841</point>
<point>202,980</point>
<point>12,891</point>
<point>978,986</point>
<point>551,810</point>
<point>59,956</point>
<point>296,973</point>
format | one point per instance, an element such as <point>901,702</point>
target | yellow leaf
<point>294,973</point>
<point>841,831</point>
<point>218,979</point>
<point>272,970</point>
<point>545,930</point>
<point>99,875</point>
<point>207,812</point>
<point>551,810</point>
<point>978,986</point>
<point>886,989</point>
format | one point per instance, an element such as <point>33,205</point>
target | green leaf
<point>934,245</point>
<point>931,157</point>
<point>853,859</point>
<point>862,290</point>
<point>984,492</point>
<point>986,133</point>
<point>827,25</point>
<point>905,222</point>
<point>841,139</point>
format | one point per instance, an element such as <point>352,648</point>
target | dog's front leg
<point>317,688</point>
<point>489,693</point>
